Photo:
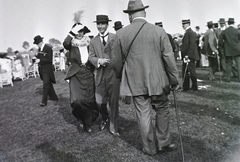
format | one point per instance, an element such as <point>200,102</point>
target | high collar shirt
<point>105,35</point>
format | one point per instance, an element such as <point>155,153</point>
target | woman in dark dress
<point>80,76</point>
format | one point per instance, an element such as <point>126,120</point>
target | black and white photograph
<point>119,81</point>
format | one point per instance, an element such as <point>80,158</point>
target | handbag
<point>125,57</point>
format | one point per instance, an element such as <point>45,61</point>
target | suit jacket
<point>46,65</point>
<point>210,43</point>
<point>150,65</point>
<point>230,40</point>
<point>98,50</point>
<point>74,57</point>
<point>189,45</point>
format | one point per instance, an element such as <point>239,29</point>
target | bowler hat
<point>37,39</point>
<point>102,19</point>
<point>210,23</point>
<point>159,24</point>
<point>117,25</point>
<point>134,6</point>
<point>222,21</point>
<point>231,20</point>
<point>186,21</point>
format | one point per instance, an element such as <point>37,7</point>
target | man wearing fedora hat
<point>117,25</point>
<point>210,43</point>
<point>230,41</point>
<point>190,55</point>
<point>44,60</point>
<point>147,75</point>
<point>107,85</point>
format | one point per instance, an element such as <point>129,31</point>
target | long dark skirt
<point>82,96</point>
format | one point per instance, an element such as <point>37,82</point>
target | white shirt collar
<point>42,46</point>
<point>187,28</point>
<point>106,32</point>
<point>139,18</point>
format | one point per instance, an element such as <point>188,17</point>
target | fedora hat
<point>117,25</point>
<point>210,23</point>
<point>231,20</point>
<point>102,19</point>
<point>37,39</point>
<point>222,21</point>
<point>134,6</point>
<point>159,24</point>
<point>186,21</point>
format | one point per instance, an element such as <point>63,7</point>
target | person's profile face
<point>184,26</point>
<point>102,27</point>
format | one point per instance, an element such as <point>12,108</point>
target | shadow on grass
<point>53,154</point>
<point>206,110</point>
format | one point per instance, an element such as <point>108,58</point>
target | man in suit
<point>190,55</point>
<point>160,24</point>
<point>117,25</point>
<point>230,41</point>
<point>44,60</point>
<point>210,43</point>
<point>107,85</point>
<point>147,75</point>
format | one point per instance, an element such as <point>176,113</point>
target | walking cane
<point>178,124</point>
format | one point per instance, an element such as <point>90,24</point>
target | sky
<point>22,20</point>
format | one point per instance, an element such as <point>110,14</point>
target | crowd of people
<point>138,61</point>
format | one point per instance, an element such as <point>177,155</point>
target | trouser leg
<point>46,87</point>
<point>162,120</point>
<point>143,113</point>
<point>228,68</point>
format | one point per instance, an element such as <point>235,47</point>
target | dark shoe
<point>88,130</point>
<point>103,125</point>
<point>42,104</point>
<point>145,152</point>
<point>194,89</point>
<point>169,147</point>
<point>115,134</point>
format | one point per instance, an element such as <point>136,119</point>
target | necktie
<point>103,41</point>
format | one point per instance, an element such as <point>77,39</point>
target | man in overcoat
<point>147,75</point>
<point>190,55</point>
<point>44,59</point>
<point>210,43</point>
<point>107,85</point>
<point>230,41</point>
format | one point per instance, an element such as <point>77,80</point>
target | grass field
<point>209,119</point>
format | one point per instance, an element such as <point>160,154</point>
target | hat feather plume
<point>77,16</point>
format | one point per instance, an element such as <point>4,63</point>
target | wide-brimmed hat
<point>159,24</point>
<point>37,39</point>
<point>102,19</point>
<point>186,21</point>
<point>210,23</point>
<point>222,21</point>
<point>134,6</point>
<point>231,20</point>
<point>117,25</point>
<point>85,30</point>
